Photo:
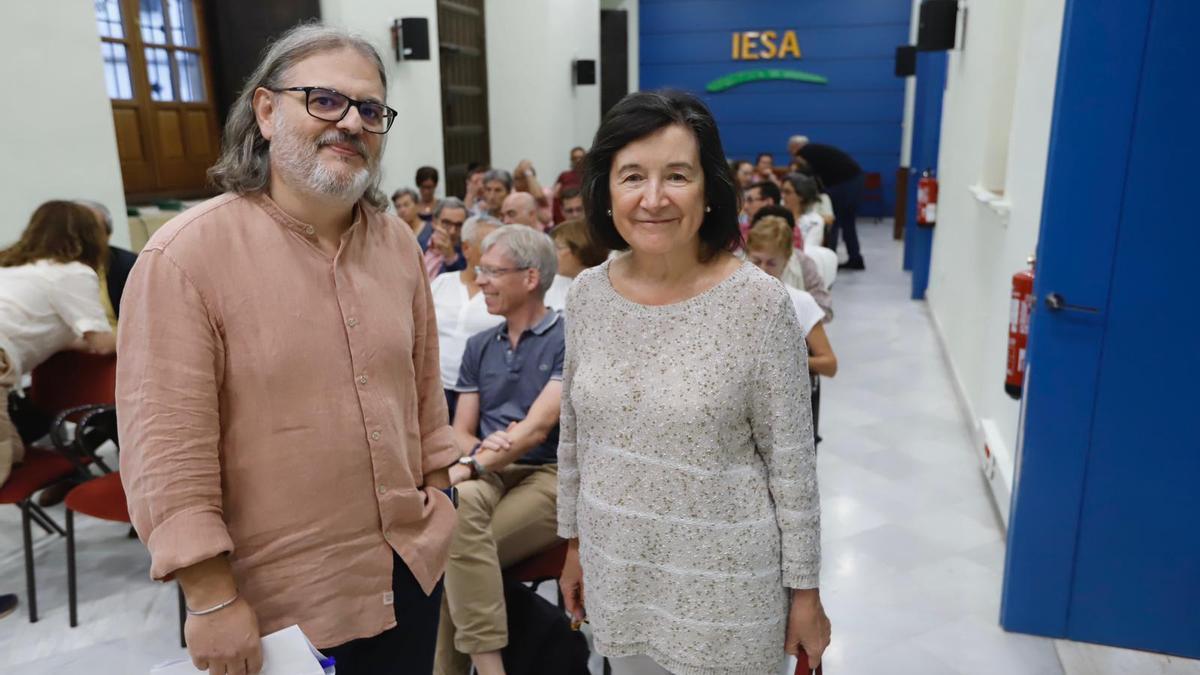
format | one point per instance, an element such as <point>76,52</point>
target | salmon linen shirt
<point>283,406</point>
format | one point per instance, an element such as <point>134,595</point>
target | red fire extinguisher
<point>1018,330</point>
<point>927,196</point>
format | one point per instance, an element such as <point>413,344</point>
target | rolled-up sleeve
<point>781,421</point>
<point>169,369</point>
<point>438,450</point>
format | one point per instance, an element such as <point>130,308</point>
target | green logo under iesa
<point>760,74</point>
<point>754,45</point>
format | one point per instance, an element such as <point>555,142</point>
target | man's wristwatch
<point>473,464</point>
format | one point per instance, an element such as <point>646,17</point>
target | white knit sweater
<point>688,472</point>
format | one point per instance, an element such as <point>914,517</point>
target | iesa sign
<point>766,45</point>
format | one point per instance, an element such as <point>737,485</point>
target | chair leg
<point>38,512</point>
<point>30,584</point>
<point>182,615</point>
<point>71,599</point>
<point>41,522</point>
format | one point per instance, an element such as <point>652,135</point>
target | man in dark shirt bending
<point>843,179</point>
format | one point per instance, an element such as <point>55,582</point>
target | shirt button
<point>375,435</point>
<point>382,489</point>
<point>362,379</point>
<point>352,322</point>
<point>309,229</point>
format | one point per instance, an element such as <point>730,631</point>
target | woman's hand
<point>571,583</point>
<point>808,628</point>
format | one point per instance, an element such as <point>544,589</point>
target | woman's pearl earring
<point>708,209</point>
<point>610,213</point>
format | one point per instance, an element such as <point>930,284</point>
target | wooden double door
<point>159,79</point>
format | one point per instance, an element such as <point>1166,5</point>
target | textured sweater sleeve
<point>781,421</point>
<point>568,465</point>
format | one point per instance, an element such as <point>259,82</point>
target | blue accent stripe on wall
<point>686,44</point>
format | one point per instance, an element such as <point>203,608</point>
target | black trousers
<point>845,197</point>
<point>406,649</point>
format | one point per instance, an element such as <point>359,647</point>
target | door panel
<point>1103,542</point>
<point>1139,541</point>
<point>463,52</point>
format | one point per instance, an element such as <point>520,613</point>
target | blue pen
<point>327,664</point>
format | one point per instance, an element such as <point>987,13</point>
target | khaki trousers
<point>12,450</point>
<point>503,518</point>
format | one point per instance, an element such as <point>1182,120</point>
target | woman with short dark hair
<point>427,182</point>
<point>687,470</point>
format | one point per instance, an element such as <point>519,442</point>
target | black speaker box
<point>414,39</point>
<point>906,61</point>
<point>585,71</point>
<point>935,32</point>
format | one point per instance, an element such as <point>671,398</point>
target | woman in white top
<point>576,253</point>
<point>459,305</point>
<point>49,301</point>
<point>769,247</point>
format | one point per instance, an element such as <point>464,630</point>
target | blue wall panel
<point>685,44</point>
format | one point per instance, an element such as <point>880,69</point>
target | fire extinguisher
<point>1018,330</point>
<point>927,196</point>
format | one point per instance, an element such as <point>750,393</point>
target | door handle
<point>1057,303</point>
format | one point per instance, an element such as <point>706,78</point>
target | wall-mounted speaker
<point>935,32</point>
<point>585,71</point>
<point>906,61</point>
<point>410,37</point>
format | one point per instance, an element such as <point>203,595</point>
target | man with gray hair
<point>444,253</point>
<point>285,433</point>
<point>497,183</point>
<point>520,208</point>
<point>509,388</point>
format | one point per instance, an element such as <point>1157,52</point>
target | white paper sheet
<point>285,652</point>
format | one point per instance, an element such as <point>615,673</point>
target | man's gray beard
<point>299,163</point>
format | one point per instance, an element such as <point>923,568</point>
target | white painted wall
<point>414,87</point>
<point>998,103</point>
<point>61,143</point>
<point>535,111</point>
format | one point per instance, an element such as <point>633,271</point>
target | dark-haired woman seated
<point>687,470</point>
<point>49,301</point>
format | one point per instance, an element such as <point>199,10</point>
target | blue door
<point>1104,538</point>
<point>926,141</point>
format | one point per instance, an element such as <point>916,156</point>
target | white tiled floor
<point>913,550</point>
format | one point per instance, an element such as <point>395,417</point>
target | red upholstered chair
<point>65,380</point>
<point>102,497</point>
<point>40,469</point>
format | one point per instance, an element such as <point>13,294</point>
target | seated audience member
<point>571,179</point>
<point>427,182</point>
<point>49,301</point>
<point>445,246</point>
<point>525,180</point>
<point>769,247</point>
<point>800,196</point>
<point>801,270</point>
<point>520,208</point>
<point>824,205</point>
<point>743,173</point>
<point>474,192</point>
<point>115,272</point>
<point>764,168</point>
<point>497,183</point>
<point>459,306</point>
<point>572,205</point>
<point>405,201</point>
<point>760,194</point>
<point>506,424</point>
<point>576,252</point>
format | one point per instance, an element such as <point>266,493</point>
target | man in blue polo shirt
<point>506,424</point>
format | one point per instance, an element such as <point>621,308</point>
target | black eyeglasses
<point>331,106</point>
